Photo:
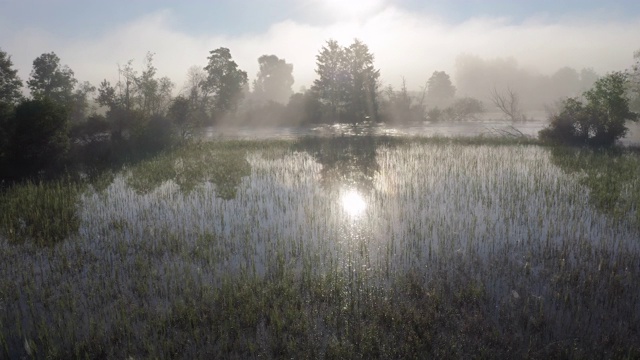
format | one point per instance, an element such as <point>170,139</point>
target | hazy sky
<point>409,38</point>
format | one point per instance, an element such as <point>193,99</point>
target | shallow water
<point>357,204</point>
<point>487,126</point>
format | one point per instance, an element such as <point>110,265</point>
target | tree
<point>465,109</point>
<point>225,82</point>
<point>363,86</point>
<point>274,80</point>
<point>51,80</point>
<point>40,140</point>
<point>588,77</point>
<point>634,82</point>
<point>347,83</point>
<point>440,90</point>
<point>152,95</point>
<point>565,83</point>
<point>400,107</point>
<point>509,104</point>
<point>598,122</point>
<point>197,94</point>
<point>181,115</point>
<point>10,83</point>
<point>80,102</point>
<point>330,86</point>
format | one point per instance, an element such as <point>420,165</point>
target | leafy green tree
<point>80,102</point>
<point>180,112</point>
<point>347,83</point>
<point>565,82</point>
<point>152,95</point>
<point>225,82</point>
<point>135,99</point>
<point>363,86</point>
<point>400,107</point>
<point>197,95</point>
<point>440,90</point>
<point>634,82</point>
<point>588,77</point>
<point>274,80</point>
<point>598,122</point>
<point>10,83</point>
<point>51,80</point>
<point>331,84</point>
<point>40,140</point>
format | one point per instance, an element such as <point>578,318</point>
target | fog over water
<point>486,127</point>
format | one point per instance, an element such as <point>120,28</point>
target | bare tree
<point>508,103</point>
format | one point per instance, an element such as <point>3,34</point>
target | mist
<point>409,45</point>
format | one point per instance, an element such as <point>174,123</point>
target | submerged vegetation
<point>124,235</point>
<point>469,247</point>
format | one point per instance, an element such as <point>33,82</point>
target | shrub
<point>40,140</point>
<point>598,122</point>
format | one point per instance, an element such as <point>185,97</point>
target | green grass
<point>44,212</point>
<point>469,248</point>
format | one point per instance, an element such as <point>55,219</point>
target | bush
<point>462,109</point>
<point>155,135</point>
<point>40,138</point>
<point>598,122</point>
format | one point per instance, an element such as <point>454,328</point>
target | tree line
<point>60,124</point>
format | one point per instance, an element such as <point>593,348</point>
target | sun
<point>353,203</point>
<point>353,9</point>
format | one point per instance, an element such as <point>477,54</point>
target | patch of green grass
<point>611,176</point>
<point>44,212</point>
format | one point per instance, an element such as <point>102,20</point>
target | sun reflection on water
<point>353,203</point>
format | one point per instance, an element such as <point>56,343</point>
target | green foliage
<point>634,82</point>
<point>598,122</point>
<point>224,81</point>
<point>40,139</point>
<point>440,90</point>
<point>42,213</point>
<point>152,136</point>
<point>274,79</point>
<point>461,110</point>
<point>80,103</point>
<point>51,80</point>
<point>180,114</point>
<point>399,106</point>
<point>611,176</point>
<point>223,164</point>
<point>10,83</point>
<point>6,131</point>
<point>347,83</point>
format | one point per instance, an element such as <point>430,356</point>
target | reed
<point>245,249</point>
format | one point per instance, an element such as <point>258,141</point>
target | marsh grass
<point>467,249</point>
<point>43,212</point>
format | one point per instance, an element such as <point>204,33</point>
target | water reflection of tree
<point>612,177</point>
<point>225,167</point>
<point>346,160</point>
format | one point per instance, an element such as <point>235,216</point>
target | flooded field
<point>490,125</point>
<point>338,246</point>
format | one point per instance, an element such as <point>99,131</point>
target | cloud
<point>410,45</point>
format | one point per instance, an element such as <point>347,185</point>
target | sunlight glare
<point>353,9</point>
<point>353,203</point>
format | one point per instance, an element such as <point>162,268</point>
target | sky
<point>409,38</point>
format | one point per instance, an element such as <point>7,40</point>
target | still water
<point>485,127</point>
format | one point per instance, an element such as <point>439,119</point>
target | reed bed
<point>248,249</point>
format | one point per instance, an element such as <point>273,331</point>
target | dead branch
<point>508,103</point>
